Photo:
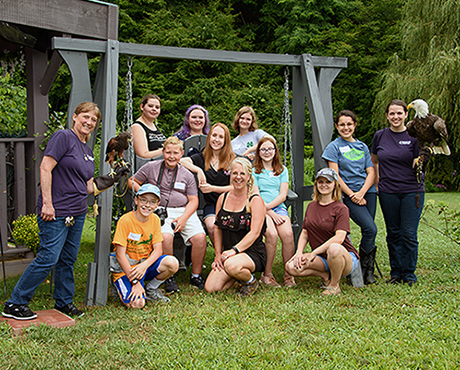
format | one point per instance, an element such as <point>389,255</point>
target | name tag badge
<point>135,237</point>
<point>179,186</point>
<point>345,149</point>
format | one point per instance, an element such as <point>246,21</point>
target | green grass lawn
<point>376,327</point>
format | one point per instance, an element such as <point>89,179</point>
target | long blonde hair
<point>247,167</point>
<point>226,155</point>
<point>336,194</point>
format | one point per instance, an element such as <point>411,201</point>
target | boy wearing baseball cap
<point>138,256</point>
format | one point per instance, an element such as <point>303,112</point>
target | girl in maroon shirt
<point>326,227</point>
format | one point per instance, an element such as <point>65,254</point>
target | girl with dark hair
<point>351,159</point>
<point>147,137</point>
<point>401,196</point>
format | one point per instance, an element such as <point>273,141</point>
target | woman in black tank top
<point>147,138</point>
<point>240,225</point>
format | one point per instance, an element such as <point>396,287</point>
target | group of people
<point>245,186</point>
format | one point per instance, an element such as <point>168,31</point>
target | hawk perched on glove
<point>116,146</point>
<point>428,129</point>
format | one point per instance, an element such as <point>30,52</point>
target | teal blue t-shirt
<point>352,158</point>
<point>269,184</point>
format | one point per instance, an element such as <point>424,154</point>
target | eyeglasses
<point>266,150</point>
<point>146,201</point>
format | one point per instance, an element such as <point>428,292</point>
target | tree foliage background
<point>395,48</point>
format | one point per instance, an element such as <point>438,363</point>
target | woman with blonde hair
<point>238,232</point>
<point>212,169</point>
<point>326,227</point>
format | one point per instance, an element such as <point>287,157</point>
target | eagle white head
<point>420,106</point>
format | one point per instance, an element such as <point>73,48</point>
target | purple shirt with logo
<point>75,166</point>
<point>396,152</point>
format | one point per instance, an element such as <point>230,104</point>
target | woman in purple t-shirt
<point>66,179</point>
<point>401,196</point>
<point>326,227</point>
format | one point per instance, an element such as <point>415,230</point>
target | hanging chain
<point>288,134</point>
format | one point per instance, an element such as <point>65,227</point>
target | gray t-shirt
<point>184,185</point>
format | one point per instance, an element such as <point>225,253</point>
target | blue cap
<point>328,173</point>
<point>149,188</point>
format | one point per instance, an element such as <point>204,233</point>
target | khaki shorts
<point>192,226</point>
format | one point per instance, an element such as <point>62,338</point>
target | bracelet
<point>235,249</point>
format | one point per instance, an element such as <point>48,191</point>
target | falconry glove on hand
<point>104,182</point>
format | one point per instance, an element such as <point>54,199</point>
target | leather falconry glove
<point>102,183</point>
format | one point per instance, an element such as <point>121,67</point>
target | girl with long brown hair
<point>212,169</point>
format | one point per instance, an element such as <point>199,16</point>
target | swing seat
<point>194,144</point>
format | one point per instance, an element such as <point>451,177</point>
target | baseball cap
<point>149,188</point>
<point>328,173</point>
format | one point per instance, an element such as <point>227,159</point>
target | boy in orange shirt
<point>138,255</point>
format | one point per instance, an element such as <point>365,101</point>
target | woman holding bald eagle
<point>395,155</point>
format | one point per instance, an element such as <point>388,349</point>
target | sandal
<point>332,290</point>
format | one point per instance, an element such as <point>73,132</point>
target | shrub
<point>25,232</point>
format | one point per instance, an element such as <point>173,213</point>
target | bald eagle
<point>428,129</point>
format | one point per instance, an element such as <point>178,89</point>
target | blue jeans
<point>401,221</point>
<point>364,217</point>
<point>59,246</point>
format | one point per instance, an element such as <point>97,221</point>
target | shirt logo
<point>404,142</point>
<point>354,154</point>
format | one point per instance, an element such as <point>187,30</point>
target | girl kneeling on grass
<point>238,231</point>
<point>326,226</point>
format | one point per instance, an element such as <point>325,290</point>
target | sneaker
<point>394,280</point>
<point>248,288</point>
<point>18,312</point>
<point>331,290</point>
<point>197,281</point>
<point>289,281</point>
<point>269,280</point>
<point>156,295</point>
<point>70,310</point>
<point>171,285</point>
<point>410,282</point>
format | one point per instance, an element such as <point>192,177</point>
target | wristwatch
<point>134,281</point>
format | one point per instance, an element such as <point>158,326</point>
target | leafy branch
<point>450,218</point>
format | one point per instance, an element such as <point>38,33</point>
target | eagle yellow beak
<point>409,106</point>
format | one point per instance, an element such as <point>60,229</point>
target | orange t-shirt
<point>138,237</point>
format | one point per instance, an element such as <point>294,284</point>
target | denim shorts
<point>353,258</point>
<point>209,210</point>
<point>280,211</point>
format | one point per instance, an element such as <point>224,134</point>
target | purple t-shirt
<point>75,166</point>
<point>396,152</point>
<point>184,185</point>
